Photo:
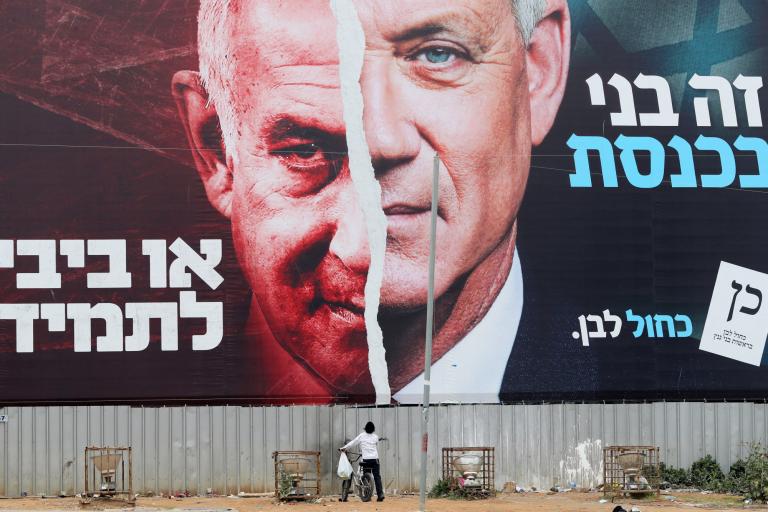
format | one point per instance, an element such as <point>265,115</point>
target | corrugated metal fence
<point>228,449</point>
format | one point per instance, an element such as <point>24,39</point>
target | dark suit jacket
<point>639,256</point>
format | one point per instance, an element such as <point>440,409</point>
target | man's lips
<point>406,221</point>
<point>405,209</point>
<point>411,210</point>
<point>346,311</point>
<point>349,305</point>
<point>348,299</point>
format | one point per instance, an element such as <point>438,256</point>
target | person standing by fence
<point>368,442</point>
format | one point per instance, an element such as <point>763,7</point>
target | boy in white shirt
<point>370,455</point>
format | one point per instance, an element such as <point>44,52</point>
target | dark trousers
<point>373,465</point>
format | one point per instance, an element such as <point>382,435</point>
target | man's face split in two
<point>452,78</point>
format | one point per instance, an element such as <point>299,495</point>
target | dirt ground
<point>561,502</point>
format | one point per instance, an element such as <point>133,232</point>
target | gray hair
<point>217,65</point>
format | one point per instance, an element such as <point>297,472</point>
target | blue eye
<point>438,55</point>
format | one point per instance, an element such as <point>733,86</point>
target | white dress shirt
<point>472,371</point>
<point>368,445</point>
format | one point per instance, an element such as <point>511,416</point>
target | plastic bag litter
<point>345,468</point>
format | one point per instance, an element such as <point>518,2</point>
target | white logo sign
<point>737,320</point>
<point>3,418</point>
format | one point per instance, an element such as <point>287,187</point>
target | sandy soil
<point>566,502</point>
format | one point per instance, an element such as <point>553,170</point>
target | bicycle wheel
<point>345,485</point>
<point>365,490</point>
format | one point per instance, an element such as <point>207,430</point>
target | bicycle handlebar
<point>358,455</point>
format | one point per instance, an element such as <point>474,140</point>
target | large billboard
<point>230,200</point>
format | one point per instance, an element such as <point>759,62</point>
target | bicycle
<point>362,479</point>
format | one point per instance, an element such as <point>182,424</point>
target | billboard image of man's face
<point>598,216</point>
<point>475,83</point>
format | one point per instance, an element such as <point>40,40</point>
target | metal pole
<point>428,342</point>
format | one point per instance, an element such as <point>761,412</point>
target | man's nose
<point>391,134</point>
<point>350,240</point>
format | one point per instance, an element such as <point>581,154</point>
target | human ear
<point>547,59</point>
<point>201,124</point>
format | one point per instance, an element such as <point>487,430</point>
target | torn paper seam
<point>351,42</point>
